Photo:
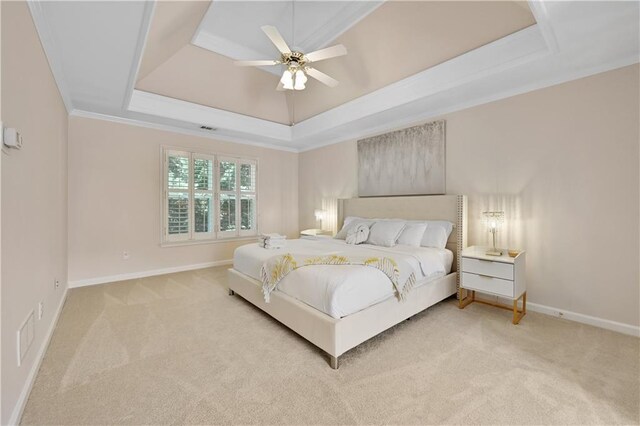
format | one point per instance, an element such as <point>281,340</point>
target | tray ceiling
<point>386,43</point>
<point>397,73</point>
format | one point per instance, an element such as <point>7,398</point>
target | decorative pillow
<point>358,233</point>
<point>348,222</point>
<point>412,234</point>
<point>436,234</point>
<point>385,232</point>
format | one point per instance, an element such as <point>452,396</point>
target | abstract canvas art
<point>405,162</point>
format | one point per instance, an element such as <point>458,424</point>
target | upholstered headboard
<point>426,207</point>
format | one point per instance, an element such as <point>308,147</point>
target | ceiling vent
<point>208,128</point>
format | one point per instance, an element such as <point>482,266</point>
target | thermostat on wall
<point>11,138</point>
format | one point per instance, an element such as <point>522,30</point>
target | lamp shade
<point>287,80</point>
<point>493,219</point>
<point>319,214</point>
<point>301,79</point>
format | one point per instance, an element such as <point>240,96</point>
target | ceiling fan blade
<point>260,63</point>
<point>280,87</point>
<point>276,38</point>
<point>322,77</point>
<point>329,52</point>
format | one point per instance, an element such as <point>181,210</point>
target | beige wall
<point>114,198</point>
<point>34,196</point>
<point>563,164</point>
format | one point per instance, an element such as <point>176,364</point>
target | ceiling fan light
<point>301,79</point>
<point>287,80</point>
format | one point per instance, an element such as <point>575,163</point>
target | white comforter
<point>340,290</point>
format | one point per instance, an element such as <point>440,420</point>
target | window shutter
<point>177,201</point>
<point>227,198</point>
<point>207,197</point>
<point>203,196</point>
<point>248,208</point>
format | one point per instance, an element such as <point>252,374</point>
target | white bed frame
<point>337,336</point>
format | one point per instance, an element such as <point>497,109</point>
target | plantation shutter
<point>203,196</point>
<point>177,196</point>
<point>207,197</point>
<point>247,194</point>
<point>227,197</point>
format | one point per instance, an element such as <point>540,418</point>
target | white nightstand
<point>313,234</point>
<point>502,276</point>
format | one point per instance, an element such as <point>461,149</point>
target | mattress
<point>341,290</point>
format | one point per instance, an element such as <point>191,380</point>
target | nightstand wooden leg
<point>517,315</point>
<point>464,301</point>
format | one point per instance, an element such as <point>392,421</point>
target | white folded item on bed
<point>341,290</point>
<point>272,241</point>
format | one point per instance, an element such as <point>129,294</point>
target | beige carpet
<point>178,349</point>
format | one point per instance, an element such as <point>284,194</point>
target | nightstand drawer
<point>487,284</point>
<point>487,267</point>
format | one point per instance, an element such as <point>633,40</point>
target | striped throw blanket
<point>277,267</point>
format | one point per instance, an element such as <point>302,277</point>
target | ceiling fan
<point>297,63</point>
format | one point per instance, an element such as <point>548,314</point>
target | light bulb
<point>287,80</point>
<point>301,79</point>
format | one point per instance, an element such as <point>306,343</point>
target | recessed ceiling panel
<point>400,39</point>
<point>232,28</point>
<point>386,42</point>
<point>172,27</point>
<point>206,78</point>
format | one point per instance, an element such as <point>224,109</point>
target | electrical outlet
<point>40,310</point>
<point>56,283</point>
<point>125,255</point>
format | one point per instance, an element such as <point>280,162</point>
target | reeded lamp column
<point>493,220</point>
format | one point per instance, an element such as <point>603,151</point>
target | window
<point>207,197</point>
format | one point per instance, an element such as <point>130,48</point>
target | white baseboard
<point>143,274</point>
<point>31,378</point>
<point>632,330</point>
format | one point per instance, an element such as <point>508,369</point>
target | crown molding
<point>176,129</point>
<point>364,130</point>
<point>507,52</point>
<point>189,112</point>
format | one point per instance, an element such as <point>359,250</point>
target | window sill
<point>200,242</point>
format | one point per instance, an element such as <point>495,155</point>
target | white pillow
<point>436,234</point>
<point>385,233</point>
<point>358,233</point>
<point>349,222</point>
<point>412,234</point>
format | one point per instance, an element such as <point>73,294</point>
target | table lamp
<point>493,221</point>
<point>319,214</point>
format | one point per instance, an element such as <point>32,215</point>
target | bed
<point>346,316</point>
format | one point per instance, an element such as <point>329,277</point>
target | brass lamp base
<point>493,252</point>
